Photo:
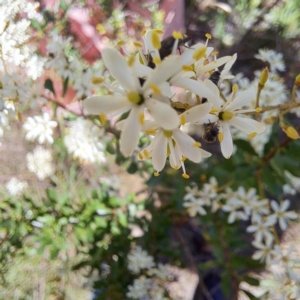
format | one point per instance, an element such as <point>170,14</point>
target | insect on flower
<point>210,132</point>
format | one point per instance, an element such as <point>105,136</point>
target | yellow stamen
<point>141,118</point>
<point>156,174</point>
<point>131,60</point>
<point>140,155</point>
<point>156,60</point>
<point>155,88</point>
<point>150,131</point>
<point>197,144</point>
<point>137,45</point>
<point>159,31</point>
<point>252,135</point>
<point>176,167</point>
<point>100,28</point>
<point>120,43</point>
<point>208,36</point>
<point>186,176</point>
<point>258,109</point>
<point>183,158</point>
<point>226,115</point>
<point>135,97</point>
<point>155,40</point>
<point>146,153</point>
<point>220,136</point>
<point>168,133</point>
<point>177,35</point>
<point>213,111</point>
<point>102,118</point>
<point>291,132</point>
<point>199,53</point>
<point>182,119</point>
<point>214,53</point>
<point>143,32</point>
<point>187,68</point>
<point>235,88</point>
<point>97,80</point>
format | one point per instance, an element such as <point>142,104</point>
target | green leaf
<point>122,218</point>
<point>51,194</point>
<point>49,85</point>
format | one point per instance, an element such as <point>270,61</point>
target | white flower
<point>227,115</point>
<point>40,127</point>
<point>135,97</point>
<point>274,58</point>
<point>40,162</point>
<point>175,143</point>
<point>15,187</point>
<point>265,252</point>
<point>195,206</point>
<point>262,230</point>
<point>83,141</point>
<point>140,288</point>
<point>138,260</point>
<point>281,215</point>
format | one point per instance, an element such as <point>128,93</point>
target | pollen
<point>120,43</point>
<point>187,68</point>
<point>214,53</point>
<point>155,40</point>
<point>197,144</point>
<point>156,174</point>
<point>220,136</point>
<point>182,119</point>
<point>258,109</point>
<point>235,88</point>
<point>156,60</point>
<point>155,88</point>
<point>131,60</point>
<point>208,36</point>
<point>141,118</point>
<point>102,118</point>
<point>140,155</point>
<point>199,53</point>
<point>143,32</point>
<point>146,153</point>
<point>213,111</point>
<point>177,35</point>
<point>186,176</point>
<point>150,131</point>
<point>252,135</point>
<point>137,45</point>
<point>168,133</point>
<point>226,115</point>
<point>97,80</point>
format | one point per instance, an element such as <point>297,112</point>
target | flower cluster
<point>153,278</point>
<point>264,215</point>
<point>15,187</point>
<point>161,91</point>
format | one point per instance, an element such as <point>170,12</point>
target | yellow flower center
<point>135,98</point>
<point>168,133</point>
<point>226,115</point>
<point>155,40</point>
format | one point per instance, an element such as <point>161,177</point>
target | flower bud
<point>264,77</point>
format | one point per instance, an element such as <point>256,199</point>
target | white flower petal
<point>106,104</point>
<point>284,205</point>
<point>197,112</point>
<point>226,144</point>
<point>164,71</point>
<point>186,146</point>
<point>159,154</point>
<point>130,133</point>
<point>164,114</point>
<point>118,68</point>
<point>213,65</point>
<point>241,100</point>
<point>247,125</point>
